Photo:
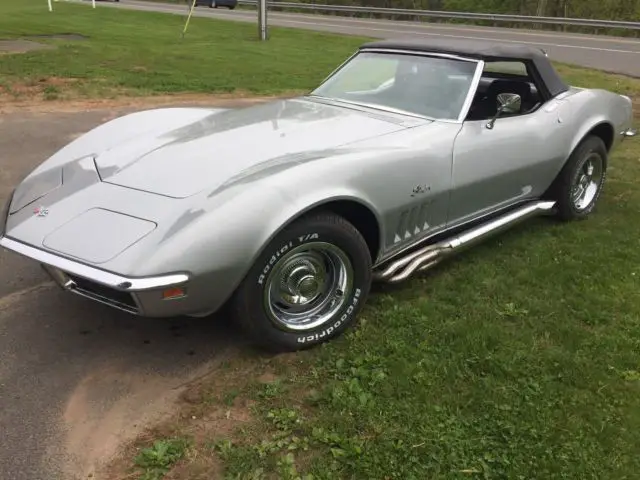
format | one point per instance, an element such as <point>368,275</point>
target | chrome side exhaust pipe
<point>433,254</point>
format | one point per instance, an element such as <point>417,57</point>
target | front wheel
<point>308,285</point>
<point>579,184</point>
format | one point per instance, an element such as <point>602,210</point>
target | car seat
<point>488,106</point>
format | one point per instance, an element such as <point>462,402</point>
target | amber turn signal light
<point>174,292</point>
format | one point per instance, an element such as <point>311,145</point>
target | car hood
<point>204,154</point>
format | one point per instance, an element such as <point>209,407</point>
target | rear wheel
<point>307,287</point>
<point>579,184</point>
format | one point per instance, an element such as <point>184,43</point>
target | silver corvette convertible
<point>285,212</point>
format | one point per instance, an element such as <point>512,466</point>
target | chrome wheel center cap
<point>308,286</point>
<point>302,281</point>
<point>590,169</point>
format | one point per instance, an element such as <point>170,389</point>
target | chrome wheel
<point>308,285</point>
<point>587,181</point>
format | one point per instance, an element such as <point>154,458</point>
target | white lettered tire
<point>307,286</point>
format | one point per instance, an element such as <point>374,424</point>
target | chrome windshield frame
<point>475,81</point>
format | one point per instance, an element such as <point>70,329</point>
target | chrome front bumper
<point>120,299</point>
<point>105,287</point>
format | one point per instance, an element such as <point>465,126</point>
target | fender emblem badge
<point>41,212</point>
<point>419,189</point>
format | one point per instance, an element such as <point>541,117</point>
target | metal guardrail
<point>495,17</point>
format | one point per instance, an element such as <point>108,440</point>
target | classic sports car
<point>287,211</point>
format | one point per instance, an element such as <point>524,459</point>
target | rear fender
<point>585,129</point>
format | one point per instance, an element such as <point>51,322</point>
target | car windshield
<point>430,86</point>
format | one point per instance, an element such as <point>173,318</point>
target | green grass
<point>138,53</point>
<point>155,461</point>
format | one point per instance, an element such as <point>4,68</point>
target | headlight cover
<point>34,188</point>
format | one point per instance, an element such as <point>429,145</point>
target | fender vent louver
<point>412,222</point>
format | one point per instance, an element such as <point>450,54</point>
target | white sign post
<point>186,24</point>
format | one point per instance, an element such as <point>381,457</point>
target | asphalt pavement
<point>613,54</point>
<point>77,378</point>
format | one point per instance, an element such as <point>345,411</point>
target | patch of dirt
<point>58,81</point>
<point>267,377</point>
<point>32,104</point>
<point>24,89</point>
<point>221,420</point>
<point>35,90</point>
<point>196,467</point>
<point>94,434</point>
<point>21,46</point>
<point>27,43</point>
<point>60,36</point>
<point>112,408</point>
<point>216,407</point>
<point>200,413</point>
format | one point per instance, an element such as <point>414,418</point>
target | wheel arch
<point>602,129</point>
<point>361,217</point>
<point>605,131</point>
<point>355,211</point>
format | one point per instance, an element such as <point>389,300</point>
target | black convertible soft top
<point>482,50</point>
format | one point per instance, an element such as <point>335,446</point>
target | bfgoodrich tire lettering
<point>307,286</point>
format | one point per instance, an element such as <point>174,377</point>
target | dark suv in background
<point>230,4</point>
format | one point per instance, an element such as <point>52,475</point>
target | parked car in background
<point>230,4</point>
<point>287,211</point>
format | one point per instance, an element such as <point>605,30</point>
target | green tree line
<point>628,10</point>
<point>599,9</point>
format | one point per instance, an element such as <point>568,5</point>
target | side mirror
<point>509,103</point>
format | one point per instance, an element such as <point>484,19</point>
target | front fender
<point>224,238</point>
<point>215,242</point>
